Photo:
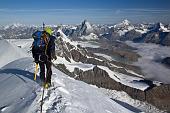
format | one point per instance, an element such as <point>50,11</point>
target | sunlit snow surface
<point>20,93</point>
<point>9,53</point>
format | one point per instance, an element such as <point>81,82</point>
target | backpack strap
<point>45,37</point>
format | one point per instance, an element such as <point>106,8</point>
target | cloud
<point>151,53</point>
<point>147,10</point>
<point>50,10</point>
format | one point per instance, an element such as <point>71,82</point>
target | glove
<point>36,58</point>
<point>53,56</point>
<point>58,34</point>
<point>36,62</point>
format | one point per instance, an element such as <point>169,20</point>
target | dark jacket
<point>51,47</point>
<point>43,54</point>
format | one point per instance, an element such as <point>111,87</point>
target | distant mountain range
<point>149,33</point>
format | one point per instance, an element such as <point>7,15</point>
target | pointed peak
<point>87,25</point>
<point>85,22</point>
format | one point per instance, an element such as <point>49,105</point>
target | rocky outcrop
<point>166,40</point>
<point>159,96</point>
<point>118,54</point>
<point>166,61</point>
<point>77,56</point>
<point>101,78</point>
<point>153,37</point>
<point>131,35</point>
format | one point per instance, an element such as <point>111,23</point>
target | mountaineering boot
<point>47,85</point>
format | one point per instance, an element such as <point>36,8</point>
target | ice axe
<point>36,70</point>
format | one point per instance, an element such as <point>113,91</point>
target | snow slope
<point>72,65</point>
<point>91,36</point>
<point>125,79</point>
<point>25,44</point>
<point>17,87</point>
<point>19,93</point>
<point>9,52</point>
<point>90,44</point>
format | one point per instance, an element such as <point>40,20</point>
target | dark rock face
<point>156,95</point>
<point>159,37</point>
<point>119,54</point>
<point>77,56</point>
<point>101,78</point>
<point>80,56</point>
<point>84,29</point>
<point>166,40</point>
<point>166,61</point>
<point>152,38</point>
<point>64,49</point>
<point>160,97</point>
<point>131,35</point>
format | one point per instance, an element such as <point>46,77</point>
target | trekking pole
<point>42,100</point>
<point>43,26</point>
<point>36,70</point>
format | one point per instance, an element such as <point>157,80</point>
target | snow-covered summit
<point>13,26</point>
<point>84,29</point>
<point>163,28</point>
<point>87,25</point>
<point>123,27</point>
<point>124,23</point>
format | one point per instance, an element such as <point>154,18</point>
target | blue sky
<point>75,11</point>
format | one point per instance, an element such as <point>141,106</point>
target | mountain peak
<point>85,28</point>
<point>14,25</point>
<point>87,24</point>
<point>163,28</point>
<point>126,22</point>
<point>123,23</point>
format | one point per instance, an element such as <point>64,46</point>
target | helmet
<point>48,30</point>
